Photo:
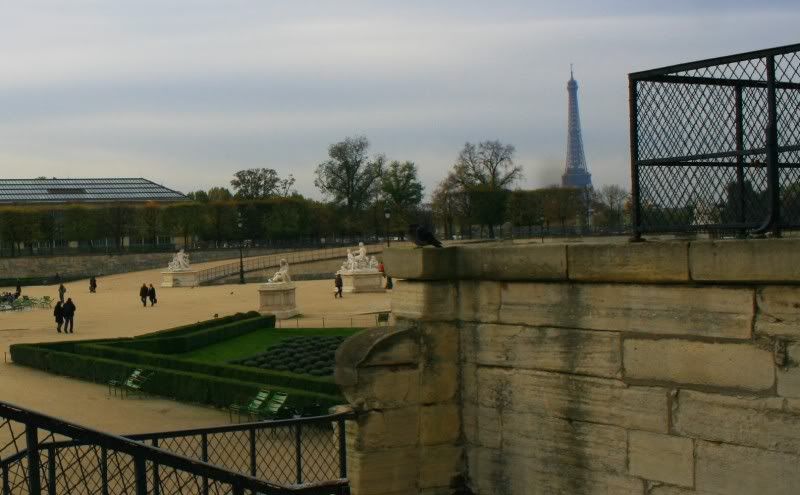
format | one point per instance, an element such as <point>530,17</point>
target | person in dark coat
<point>19,289</point>
<point>151,293</point>
<point>58,312</point>
<point>338,283</point>
<point>93,285</point>
<point>143,291</point>
<point>69,314</point>
<point>61,291</point>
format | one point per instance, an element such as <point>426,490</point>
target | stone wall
<point>655,368</point>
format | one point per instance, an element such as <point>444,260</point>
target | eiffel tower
<point>576,174</point>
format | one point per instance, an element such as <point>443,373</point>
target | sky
<point>186,92</point>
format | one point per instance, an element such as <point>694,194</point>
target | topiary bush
<point>313,356</point>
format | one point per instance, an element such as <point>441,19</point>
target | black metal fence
<point>40,454</point>
<point>715,144</point>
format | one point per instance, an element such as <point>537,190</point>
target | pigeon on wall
<point>422,236</point>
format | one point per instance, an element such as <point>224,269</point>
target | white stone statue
<point>359,262</point>
<point>373,263</point>
<point>179,263</point>
<point>282,275</point>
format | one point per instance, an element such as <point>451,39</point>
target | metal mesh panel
<point>701,144</point>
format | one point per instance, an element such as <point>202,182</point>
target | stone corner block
<point>513,262</point>
<point>752,260</point>
<point>426,263</point>
<point>658,457</point>
<point>642,262</point>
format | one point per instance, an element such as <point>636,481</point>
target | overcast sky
<point>187,92</point>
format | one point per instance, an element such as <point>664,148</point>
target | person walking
<point>151,293</point>
<point>58,312</point>
<point>338,283</point>
<point>61,291</point>
<point>92,285</point>
<point>69,314</point>
<point>19,289</point>
<point>143,291</point>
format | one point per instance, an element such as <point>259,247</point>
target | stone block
<point>278,299</point>
<point>587,399</point>
<point>789,376</point>
<point>674,490</point>
<point>754,260</point>
<point>439,424</point>
<point>571,443</point>
<point>386,429</point>
<point>756,422</point>
<point>549,349</point>
<point>439,342</point>
<point>642,262</point>
<point>424,300</point>
<point>737,366</point>
<point>184,278</point>
<point>735,470</point>
<point>421,264</point>
<point>382,472</point>
<point>479,300</point>
<point>778,311</point>
<point>439,383</point>
<point>649,309</point>
<point>492,472</point>
<point>520,262</point>
<point>358,282</point>
<point>438,465</point>
<point>386,387</point>
<point>658,457</point>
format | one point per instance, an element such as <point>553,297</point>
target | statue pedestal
<point>362,281</point>
<point>277,299</point>
<point>184,278</point>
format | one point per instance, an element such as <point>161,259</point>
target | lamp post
<point>241,241</point>
<point>388,215</point>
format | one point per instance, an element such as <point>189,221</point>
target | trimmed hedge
<point>189,341</point>
<point>201,325</point>
<point>180,385</point>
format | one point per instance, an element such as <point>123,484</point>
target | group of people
<point>65,315</point>
<point>146,293</point>
<point>9,297</point>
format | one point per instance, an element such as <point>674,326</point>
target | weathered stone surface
<point>439,342</point>
<point>661,457</point>
<point>574,443</point>
<point>650,309</point>
<point>734,470</point>
<point>385,387</point>
<point>438,382</point>
<point>674,490</point>
<point>390,428</point>
<point>789,376</point>
<point>424,300</point>
<point>479,300</point>
<point>421,264</point>
<point>550,349</point>
<point>765,423</point>
<point>763,260</point>
<point>381,472</point>
<point>438,465</point>
<point>438,424</point>
<point>642,262</point>
<point>739,366</point>
<point>778,311</point>
<point>593,400</point>
<point>492,472</point>
<point>521,262</point>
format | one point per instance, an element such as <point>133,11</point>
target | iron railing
<point>259,263</point>
<point>40,454</point>
<point>715,144</point>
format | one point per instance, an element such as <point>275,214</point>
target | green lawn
<point>257,341</point>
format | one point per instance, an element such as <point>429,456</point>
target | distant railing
<point>40,454</point>
<point>273,261</point>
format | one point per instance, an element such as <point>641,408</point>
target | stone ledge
<point>643,262</point>
<point>758,260</point>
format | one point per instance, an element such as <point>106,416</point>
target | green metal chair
<point>252,407</point>
<point>119,383</point>
<point>134,384</point>
<point>273,406</point>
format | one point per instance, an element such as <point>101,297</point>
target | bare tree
<point>349,176</point>
<point>611,199</point>
<point>489,165</point>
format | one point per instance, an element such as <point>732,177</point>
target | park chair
<point>252,407</point>
<point>134,384</point>
<point>273,406</point>
<point>383,318</point>
<point>45,302</point>
<point>118,383</point>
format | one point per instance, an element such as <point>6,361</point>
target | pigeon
<point>422,236</point>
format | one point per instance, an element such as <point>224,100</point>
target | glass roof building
<point>38,191</point>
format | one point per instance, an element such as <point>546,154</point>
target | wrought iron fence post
<point>342,450</point>
<point>204,457</point>
<point>140,473</point>
<point>6,487</point>
<point>298,437</point>
<point>742,216</point>
<point>634,130</point>
<point>772,149</point>
<point>104,471</point>
<point>253,466</point>
<point>156,474</point>
<point>51,471</point>
<point>34,476</point>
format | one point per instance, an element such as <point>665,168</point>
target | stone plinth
<point>278,300</point>
<point>362,281</point>
<point>185,278</point>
